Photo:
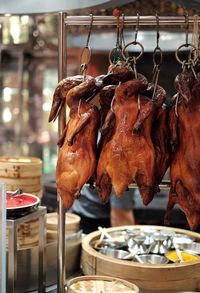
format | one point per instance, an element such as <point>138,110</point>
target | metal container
<point>154,259</point>
<point>27,258</point>
<point>116,253</point>
<point>193,247</point>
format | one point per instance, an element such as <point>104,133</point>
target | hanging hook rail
<point>128,20</point>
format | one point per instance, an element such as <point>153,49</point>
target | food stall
<point>139,243</point>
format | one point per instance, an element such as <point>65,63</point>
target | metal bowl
<point>106,243</point>
<point>136,244</point>
<point>154,259</point>
<point>193,247</point>
<point>116,253</point>
<point>183,239</point>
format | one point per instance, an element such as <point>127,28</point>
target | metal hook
<point>90,29</point>
<point>122,41</point>
<point>86,52</point>
<point>157,54</point>
<point>137,27</point>
<point>186,28</point>
<point>177,96</point>
<point>158,31</point>
<point>116,54</point>
<point>155,81</point>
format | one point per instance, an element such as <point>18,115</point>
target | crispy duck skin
<point>185,161</point>
<point>105,97</point>
<point>160,132</point>
<point>128,155</point>
<point>161,141</point>
<point>77,157</point>
<point>60,93</point>
<point>117,73</point>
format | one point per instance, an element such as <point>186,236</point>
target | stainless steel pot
<point>27,263</point>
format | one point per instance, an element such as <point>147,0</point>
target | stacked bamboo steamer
<point>26,173</point>
<point>72,224</point>
<point>27,234</point>
<point>22,172</point>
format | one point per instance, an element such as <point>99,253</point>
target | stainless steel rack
<point>12,225</point>
<point>64,22</point>
<point>128,20</point>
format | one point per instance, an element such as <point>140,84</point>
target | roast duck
<point>77,157</point>
<point>128,153</point>
<point>185,139</point>
<point>137,144</point>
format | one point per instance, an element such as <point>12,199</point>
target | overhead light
<point>6,115</point>
<point>7,93</point>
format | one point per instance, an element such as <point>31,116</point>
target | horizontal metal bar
<point>163,185</point>
<point>128,20</point>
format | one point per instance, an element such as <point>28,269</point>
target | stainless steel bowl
<point>193,247</point>
<point>106,243</point>
<point>183,239</point>
<point>136,244</point>
<point>153,259</point>
<point>116,253</point>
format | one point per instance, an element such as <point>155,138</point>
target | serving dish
<point>21,204</point>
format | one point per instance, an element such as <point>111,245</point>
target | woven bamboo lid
<point>100,284</point>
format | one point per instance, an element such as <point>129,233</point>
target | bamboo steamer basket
<point>27,234</point>
<point>22,172</point>
<point>100,284</point>
<point>168,277</point>
<point>72,224</point>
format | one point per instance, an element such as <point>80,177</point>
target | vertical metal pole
<point>61,125</point>
<point>42,254</point>
<point>12,257</point>
<point>3,284</point>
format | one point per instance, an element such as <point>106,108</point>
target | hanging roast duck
<point>185,138</point>
<point>129,155</point>
<point>77,157</point>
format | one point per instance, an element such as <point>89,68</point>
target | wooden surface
<point>170,277</point>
